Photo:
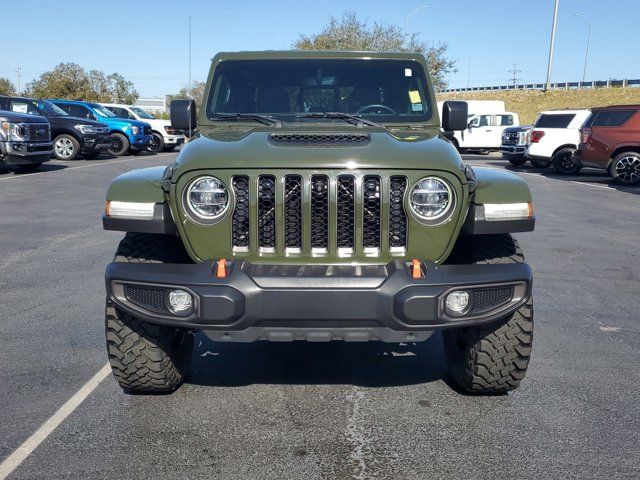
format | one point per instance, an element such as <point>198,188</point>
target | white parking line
<point>86,166</point>
<point>21,453</point>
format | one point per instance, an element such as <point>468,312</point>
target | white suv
<point>554,139</point>
<point>164,137</point>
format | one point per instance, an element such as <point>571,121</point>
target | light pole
<point>547,85</point>
<point>586,54</point>
<point>408,17</point>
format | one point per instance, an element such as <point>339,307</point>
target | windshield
<point>50,109</point>
<point>381,90</point>
<point>142,113</point>
<point>102,111</point>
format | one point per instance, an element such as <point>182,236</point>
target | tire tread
<point>492,358</point>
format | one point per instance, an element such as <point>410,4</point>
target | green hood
<point>251,149</point>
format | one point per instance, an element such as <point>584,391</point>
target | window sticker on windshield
<point>19,107</point>
<point>408,72</point>
<point>414,96</point>
<point>416,107</point>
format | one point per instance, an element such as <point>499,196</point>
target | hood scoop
<point>320,139</point>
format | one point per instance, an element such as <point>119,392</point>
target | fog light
<point>457,302</point>
<point>180,302</point>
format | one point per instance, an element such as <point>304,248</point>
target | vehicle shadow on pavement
<point>4,169</point>
<point>372,364</point>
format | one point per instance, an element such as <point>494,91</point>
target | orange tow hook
<point>221,270</point>
<point>416,269</point>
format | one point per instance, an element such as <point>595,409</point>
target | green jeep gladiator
<point>318,199</point>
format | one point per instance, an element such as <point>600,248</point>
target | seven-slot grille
<point>317,214</point>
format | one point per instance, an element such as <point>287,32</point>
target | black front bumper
<point>289,301</point>
<point>96,143</point>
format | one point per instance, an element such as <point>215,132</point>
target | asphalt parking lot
<point>319,411</point>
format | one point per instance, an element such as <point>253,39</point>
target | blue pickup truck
<point>129,136</point>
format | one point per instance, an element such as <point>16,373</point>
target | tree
<point>6,87</point>
<point>197,92</point>
<point>350,33</point>
<point>71,81</point>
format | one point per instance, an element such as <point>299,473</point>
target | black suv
<point>71,135</point>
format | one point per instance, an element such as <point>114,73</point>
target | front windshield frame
<point>411,68</point>
<point>101,111</point>
<point>142,113</point>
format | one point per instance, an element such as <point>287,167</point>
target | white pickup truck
<point>487,120</point>
<point>554,139</point>
<point>164,137</point>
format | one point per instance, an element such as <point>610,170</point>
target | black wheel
<point>625,168</point>
<point>146,357</point>
<point>29,167</point>
<point>157,143</point>
<point>66,147</point>
<point>491,358</point>
<point>540,162</point>
<point>120,144</point>
<point>517,160</point>
<point>564,162</point>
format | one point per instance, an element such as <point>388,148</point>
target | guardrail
<point>554,86</point>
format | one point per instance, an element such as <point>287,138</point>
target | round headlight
<point>207,198</point>
<point>431,199</point>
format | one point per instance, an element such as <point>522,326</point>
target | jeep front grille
<point>345,218</point>
<point>318,214</point>
<point>293,213</point>
<point>240,220</point>
<point>267,213</point>
<point>397,217</point>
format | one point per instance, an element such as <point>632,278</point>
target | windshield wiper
<point>238,117</point>
<point>356,120</point>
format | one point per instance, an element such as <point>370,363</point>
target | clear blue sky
<point>148,44</point>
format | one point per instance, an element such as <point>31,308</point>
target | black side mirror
<point>183,116</point>
<point>454,116</point>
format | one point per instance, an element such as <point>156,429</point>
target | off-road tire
<point>491,358</point>
<point>517,161</point>
<point>146,357</point>
<point>539,163</point>
<point>563,163</point>
<point>121,145</point>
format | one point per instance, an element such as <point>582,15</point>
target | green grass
<point>528,103</point>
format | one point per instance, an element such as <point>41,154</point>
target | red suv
<point>610,139</point>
